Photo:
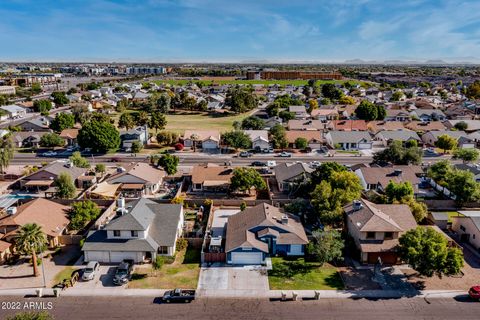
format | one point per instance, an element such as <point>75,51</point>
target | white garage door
<point>246,258</point>
<point>363,146</point>
<point>119,256</point>
<point>100,256</point>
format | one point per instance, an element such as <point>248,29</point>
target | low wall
<point>69,239</point>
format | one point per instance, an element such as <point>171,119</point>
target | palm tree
<point>194,138</point>
<point>31,240</point>
<point>6,152</point>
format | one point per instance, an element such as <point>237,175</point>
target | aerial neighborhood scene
<point>251,160</point>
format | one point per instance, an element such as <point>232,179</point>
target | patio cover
<point>215,183</point>
<point>39,183</point>
<point>132,186</point>
<point>105,189</point>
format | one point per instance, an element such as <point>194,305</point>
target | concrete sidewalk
<point>268,294</point>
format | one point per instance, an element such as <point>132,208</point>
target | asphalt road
<point>192,159</point>
<point>144,308</point>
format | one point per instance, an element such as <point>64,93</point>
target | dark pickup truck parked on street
<point>179,295</point>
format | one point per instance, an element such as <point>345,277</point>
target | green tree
<point>397,154</point>
<point>346,100</point>
<point>82,212</point>
<point>463,185</point>
<point>301,143</point>
<point>397,96</point>
<point>330,91</point>
<point>272,109</point>
<point>167,138</point>
<point>439,170</point>
<point>36,88</point>
<point>462,126</point>
<point>126,121</point>
<point>100,136</point>
<point>243,206</point>
<point>43,106</point>
<point>42,315</point>
<point>100,168</point>
<point>31,240</point>
<point>160,102</point>
<point>398,191</point>
<point>240,100</point>
<point>473,90</point>
<point>467,155</point>
<point>122,106</point>
<point>65,186</point>
<point>428,252</point>
<point>325,102</point>
<point>49,140</point>
<point>157,121</point>
<point>141,118</point>
<point>329,196</point>
<point>369,111</point>
<point>244,179</point>
<point>253,123</point>
<point>446,142</point>
<point>137,146</point>
<point>62,121</point>
<point>327,245</point>
<point>7,150</point>
<point>169,163</point>
<point>286,115</point>
<point>237,139</point>
<point>278,137</point>
<point>79,161</point>
<point>59,98</point>
<point>312,105</point>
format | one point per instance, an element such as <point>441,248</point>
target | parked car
<point>179,295</point>
<point>259,164</point>
<point>267,150</point>
<point>271,163</point>
<point>123,274</point>
<point>49,154</point>
<point>474,292</point>
<point>314,164</point>
<point>90,270</point>
<point>285,154</point>
<point>265,171</point>
<point>245,154</point>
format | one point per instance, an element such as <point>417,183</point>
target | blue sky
<point>239,30</point>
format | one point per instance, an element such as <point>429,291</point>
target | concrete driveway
<point>232,281</point>
<point>103,279</point>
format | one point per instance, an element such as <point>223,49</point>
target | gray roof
<point>454,134</point>
<point>401,135</point>
<point>58,167</point>
<point>465,166</point>
<point>440,216</point>
<point>429,112</point>
<point>349,136</point>
<point>297,109</point>
<point>286,171</point>
<point>12,108</point>
<point>161,220</point>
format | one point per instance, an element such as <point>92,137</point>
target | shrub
<point>182,244</point>
<point>178,146</point>
<point>158,263</point>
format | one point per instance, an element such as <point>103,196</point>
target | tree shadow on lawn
<point>291,268</point>
<point>139,276</point>
<point>192,256</point>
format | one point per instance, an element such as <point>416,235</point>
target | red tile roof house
<point>51,216</point>
<point>263,230</point>
<point>376,228</point>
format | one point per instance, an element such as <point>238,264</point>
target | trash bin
<point>284,296</point>
<point>317,295</point>
<point>39,292</point>
<point>56,292</point>
<point>294,296</point>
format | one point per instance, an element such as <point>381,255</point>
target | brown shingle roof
<point>383,175</point>
<point>311,136</point>
<point>69,133</point>
<point>143,171</point>
<point>211,172</point>
<point>425,126</point>
<point>52,217</point>
<point>347,125</point>
<point>376,126</point>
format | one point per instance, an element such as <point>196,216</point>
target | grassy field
<point>64,274</point>
<point>204,121</point>
<point>300,275</point>
<point>180,82</point>
<point>182,273</point>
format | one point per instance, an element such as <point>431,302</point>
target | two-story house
<point>141,231</point>
<point>139,134</point>
<point>263,230</point>
<point>376,228</point>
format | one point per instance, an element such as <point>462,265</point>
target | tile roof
<point>306,125</point>
<point>141,170</point>
<point>347,125</point>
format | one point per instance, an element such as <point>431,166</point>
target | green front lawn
<point>64,274</point>
<point>182,273</point>
<point>300,275</point>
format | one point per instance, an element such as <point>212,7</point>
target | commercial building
<point>290,75</point>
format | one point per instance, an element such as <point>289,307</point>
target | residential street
<point>144,308</point>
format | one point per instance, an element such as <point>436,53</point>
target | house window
<point>198,186</point>
<point>134,233</point>
<point>462,228</point>
<point>473,236</point>
<point>116,233</point>
<point>370,235</point>
<point>388,235</point>
<point>163,250</point>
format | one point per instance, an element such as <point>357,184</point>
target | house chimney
<point>397,172</point>
<point>284,219</point>
<point>357,205</point>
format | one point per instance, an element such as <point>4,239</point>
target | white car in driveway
<point>90,270</point>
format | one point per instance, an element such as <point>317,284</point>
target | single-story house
<point>211,178</point>
<point>376,228</point>
<point>36,124</point>
<point>469,229</point>
<point>472,125</point>
<point>314,138</point>
<point>347,125</point>
<point>44,178</point>
<point>138,179</point>
<point>422,127</point>
<point>51,216</point>
<point>291,175</point>
<point>263,230</point>
<point>387,137</point>
<point>25,139</point>
<point>70,136</point>
<point>377,126</point>
<point>300,112</point>
<point>474,169</point>
<point>13,111</point>
<point>349,140</point>
<point>207,139</point>
<point>142,230</point>
<point>463,139</point>
<point>259,139</point>
<point>377,178</point>
<point>306,125</point>
<point>324,115</point>
<point>426,115</point>
<point>397,115</point>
